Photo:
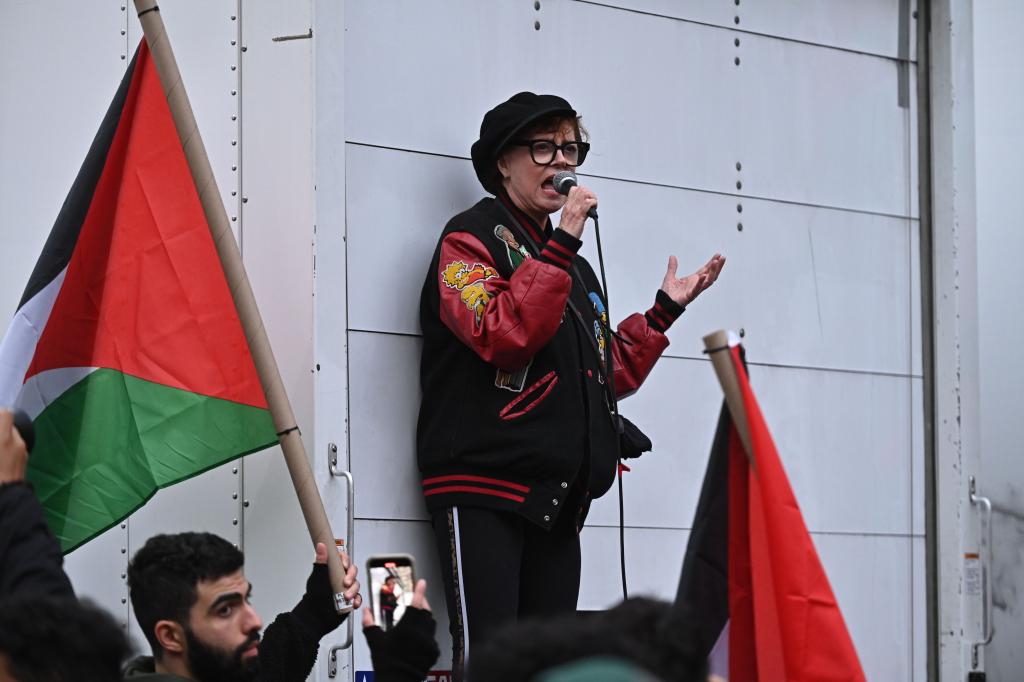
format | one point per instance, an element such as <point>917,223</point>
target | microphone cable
<point>615,405</point>
<point>563,181</point>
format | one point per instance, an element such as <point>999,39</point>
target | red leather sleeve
<point>505,321</point>
<point>635,360</point>
<point>646,342</point>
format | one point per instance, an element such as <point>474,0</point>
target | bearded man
<point>191,599</point>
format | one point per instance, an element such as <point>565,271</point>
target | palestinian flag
<point>126,347</point>
<point>752,587</point>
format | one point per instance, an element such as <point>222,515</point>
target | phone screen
<point>391,586</point>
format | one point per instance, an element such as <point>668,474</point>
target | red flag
<point>750,544</point>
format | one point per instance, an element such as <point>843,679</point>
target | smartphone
<point>392,578</point>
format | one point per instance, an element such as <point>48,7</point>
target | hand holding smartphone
<point>391,579</point>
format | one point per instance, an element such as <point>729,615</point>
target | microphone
<point>23,423</point>
<point>566,180</point>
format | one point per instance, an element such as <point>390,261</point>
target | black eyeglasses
<point>543,151</point>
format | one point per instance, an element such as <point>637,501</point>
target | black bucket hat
<point>502,123</point>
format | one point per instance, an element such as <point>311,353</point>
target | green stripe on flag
<point>109,442</point>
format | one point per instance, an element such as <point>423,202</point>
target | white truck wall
<point>822,277</point>
<point>998,111</point>
<point>357,141</point>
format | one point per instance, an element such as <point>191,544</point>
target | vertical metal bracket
<point>986,572</point>
<point>332,466</point>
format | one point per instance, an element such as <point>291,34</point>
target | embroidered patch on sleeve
<point>470,281</point>
<point>517,253</point>
<point>600,332</point>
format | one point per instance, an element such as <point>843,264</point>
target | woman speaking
<point>517,431</point>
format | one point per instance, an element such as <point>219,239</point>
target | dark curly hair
<point>59,639</point>
<point>636,630</point>
<point>163,575</point>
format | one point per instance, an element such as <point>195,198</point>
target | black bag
<point>632,441</point>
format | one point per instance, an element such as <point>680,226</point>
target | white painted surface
<point>870,26</point>
<point>955,332</point>
<point>822,127</point>
<point>999,108</point>
<point>330,293</point>
<point>383,410</point>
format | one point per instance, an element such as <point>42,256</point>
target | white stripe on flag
<point>19,344</point>
<point>45,387</point>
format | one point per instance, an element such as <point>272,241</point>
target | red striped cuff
<point>664,312</point>
<point>560,249</point>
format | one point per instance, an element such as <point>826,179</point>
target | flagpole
<point>716,345</point>
<point>241,291</point>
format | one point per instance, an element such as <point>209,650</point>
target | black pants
<point>499,568</point>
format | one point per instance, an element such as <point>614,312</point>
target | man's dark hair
<point>638,630</point>
<point>163,575</point>
<point>59,639</point>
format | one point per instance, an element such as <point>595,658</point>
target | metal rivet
<point>914,14</point>
<point>234,168</point>
<point>536,26</point>
<point>234,193</point>
<point>739,166</point>
<point>233,67</point>
<point>124,600</point>
<point>123,31</point>
<point>554,503</point>
<point>244,48</point>
<point>234,42</point>
<point>234,118</point>
<point>233,17</point>
<point>737,3</point>
<point>124,550</point>
<point>739,208</point>
<point>122,57</point>
<point>564,485</point>
<point>234,143</point>
<point>245,200</point>
<point>536,5</point>
<point>234,219</point>
<point>122,8</point>
<point>234,92</point>
<point>736,42</point>
<point>547,518</point>
<point>245,503</point>
<point>234,496</point>
<point>234,522</point>
<point>234,470</point>
<point>318,369</point>
<point>739,185</point>
<point>123,576</point>
<point>123,526</point>
<point>743,332</point>
<point>739,227</point>
<point>736,61</point>
<point>736,20</point>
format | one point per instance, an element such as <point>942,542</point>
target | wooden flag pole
<point>716,345</point>
<point>245,302</point>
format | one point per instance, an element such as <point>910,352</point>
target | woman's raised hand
<point>683,290</point>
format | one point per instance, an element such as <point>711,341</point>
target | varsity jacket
<point>516,399</point>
